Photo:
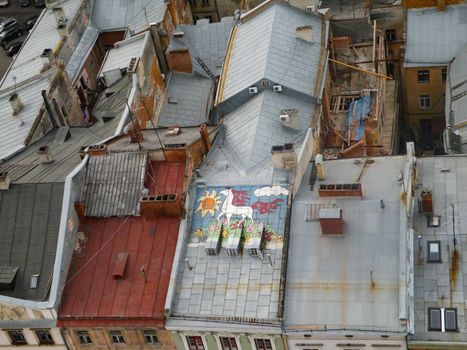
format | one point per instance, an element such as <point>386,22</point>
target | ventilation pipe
<point>45,157</point>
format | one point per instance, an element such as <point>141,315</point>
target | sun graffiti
<point>209,203</point>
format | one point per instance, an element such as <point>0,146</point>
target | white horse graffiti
<point>228,209</point>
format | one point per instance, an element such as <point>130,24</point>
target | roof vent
<point>132,64</point>
<point>277,88</point>
<point>173,131</point>
<point>283,157</point>
<point>15,103</point>
<point>253,90</point>
<point>59,17</point>
<point>178,35</point>
<point>34,281</point>
<point>8,277</point>
<point>289,118</point>
<point>4,180</point>
<point>305,33</point>
<point>331,222</point>
<point>118,270</point>
<point>45,157</point>
<point>426,198</point>
<point>46,56</point>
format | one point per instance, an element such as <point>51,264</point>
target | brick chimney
<point>134,130</point>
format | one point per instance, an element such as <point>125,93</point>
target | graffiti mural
<point>254,208</point>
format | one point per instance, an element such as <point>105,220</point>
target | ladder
<point>206,69</point>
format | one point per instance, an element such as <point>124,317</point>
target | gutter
<point>436,345</point>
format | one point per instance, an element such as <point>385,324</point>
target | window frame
<point>430,328</point>
<point>187,342</point>
<point>44,341</point>
<point>112,336</point>
<point>456,329</point>
<point>428,255</point>
<point>255,342</point>
<point>230,337</point>
<point>78,336</point>
<point>153,335</point>
<point>425,75</point>
<point>424,97</point>
<point>17,342</point>
<point>390,35</point>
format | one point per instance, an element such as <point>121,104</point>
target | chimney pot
<point>45,157</point>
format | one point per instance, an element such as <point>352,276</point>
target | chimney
<point>320,166</point>
<point>97,150</point>
<point>331,221</point>
<point>427,202</point>
<point>441,4</point>
<point>4,180</point>
<point>45,157</point>
<point>180,61</point>
<point>162,205</point>
<point>341,190</point>
<point>59,17</point>
<point>47,56</point>
<point>16,104</point>
<point>305,33</point>
<point>283,157</point>
<point>134,130</point>
<point>205,137</point>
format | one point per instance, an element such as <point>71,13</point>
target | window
<point>263,344</point>
<point>83,337</point>
<point>228,343</point>
<point>433,220</point>
<point>44,336</point>
<point>17,337</point>
<point>390,35</point>
<point>117,337</point>
<point>444,74</point>
<point>425,101</point>
<point>442,319</point>
<point>204,2</point>
<point>434,251</point>
<point>450,320</point>
<point>150,337</point>
<point>424,76</point>
<point>195,343</point>
<point>192,3</point>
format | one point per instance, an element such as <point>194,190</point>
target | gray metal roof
<point>434,37</point>
<point>25,167</point>
<point>266,46</point>
<point>188,100</point>
<point>82,51</point>
<point>445,177</point>
<point>29,220</point>
<point>253,128</point>
<point>328,278</point>
<point>113,184</point>
<point>119,14</point>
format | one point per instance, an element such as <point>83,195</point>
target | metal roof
<point>29,220</point>
<point>119,56</point>
<point>445,177</point>
<point>25,167</point>
<point>329,279</point>
<point>119,14</point>
<point>434,37</point>
<point>91,294</point>
<point>77,59</point>
<point>113,184</point>
<point>266,46</point>
<point>253,128</point>
<point>188,100</point>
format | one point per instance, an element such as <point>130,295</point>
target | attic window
<point>119,267</point>
<point>7,277</point>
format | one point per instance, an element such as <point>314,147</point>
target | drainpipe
<point>49,108</point>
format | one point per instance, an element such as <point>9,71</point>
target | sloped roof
<point>113,184</point>
<point>187,102</point>
<point>434,37</point>
<point>29,221</point>
<point>253,128</point>
<point>120,14</point>
<point>265,46</point>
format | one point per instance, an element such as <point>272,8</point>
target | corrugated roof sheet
<point>118,14</point>
<point>253,128</point>
<point>29,220</point>
<point>328,278</point>
<point>188,100</point>
<point>266,46</point>
<point>114,183</point>
<point>434,37</point>
<point>119,56</point>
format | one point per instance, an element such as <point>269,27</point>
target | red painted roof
<point>92,296</point>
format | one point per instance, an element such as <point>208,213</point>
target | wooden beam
<point>360,69</point>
